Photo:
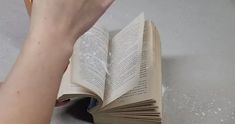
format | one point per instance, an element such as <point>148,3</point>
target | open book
<point>121,75</point>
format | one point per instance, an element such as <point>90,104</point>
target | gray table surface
<point>198,58</point>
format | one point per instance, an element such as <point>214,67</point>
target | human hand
<point>65,19</point>
<point>33,83</point>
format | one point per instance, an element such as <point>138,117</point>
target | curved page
<point>125,61</point>
<point>89,61</point>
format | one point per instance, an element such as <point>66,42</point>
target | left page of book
<point>69,90</point>
<point>89,61</point>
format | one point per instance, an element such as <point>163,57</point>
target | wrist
<point>57,30</point>
<point>49,43</point>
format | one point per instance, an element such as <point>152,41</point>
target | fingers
<point>28,4</point>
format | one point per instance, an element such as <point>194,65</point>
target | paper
<point>125,61</point>
<point>89,60</point>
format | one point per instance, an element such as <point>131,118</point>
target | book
<point>121,75</point>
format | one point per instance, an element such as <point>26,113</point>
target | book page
<point>89,61</point>
<point>157,71</point>
<point>125,60</point>
<point>67,88</point>
<point>142,91</point>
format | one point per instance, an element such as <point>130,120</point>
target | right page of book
<point>149,84</point>
<point>125,60</point>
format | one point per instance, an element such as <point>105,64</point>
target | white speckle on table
<point>163,90</point>
<point>203,113</point>
<point>221,120</point>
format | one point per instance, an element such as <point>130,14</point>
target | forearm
<point>33,84</point>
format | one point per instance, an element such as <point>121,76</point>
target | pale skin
<point>29,93</point>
